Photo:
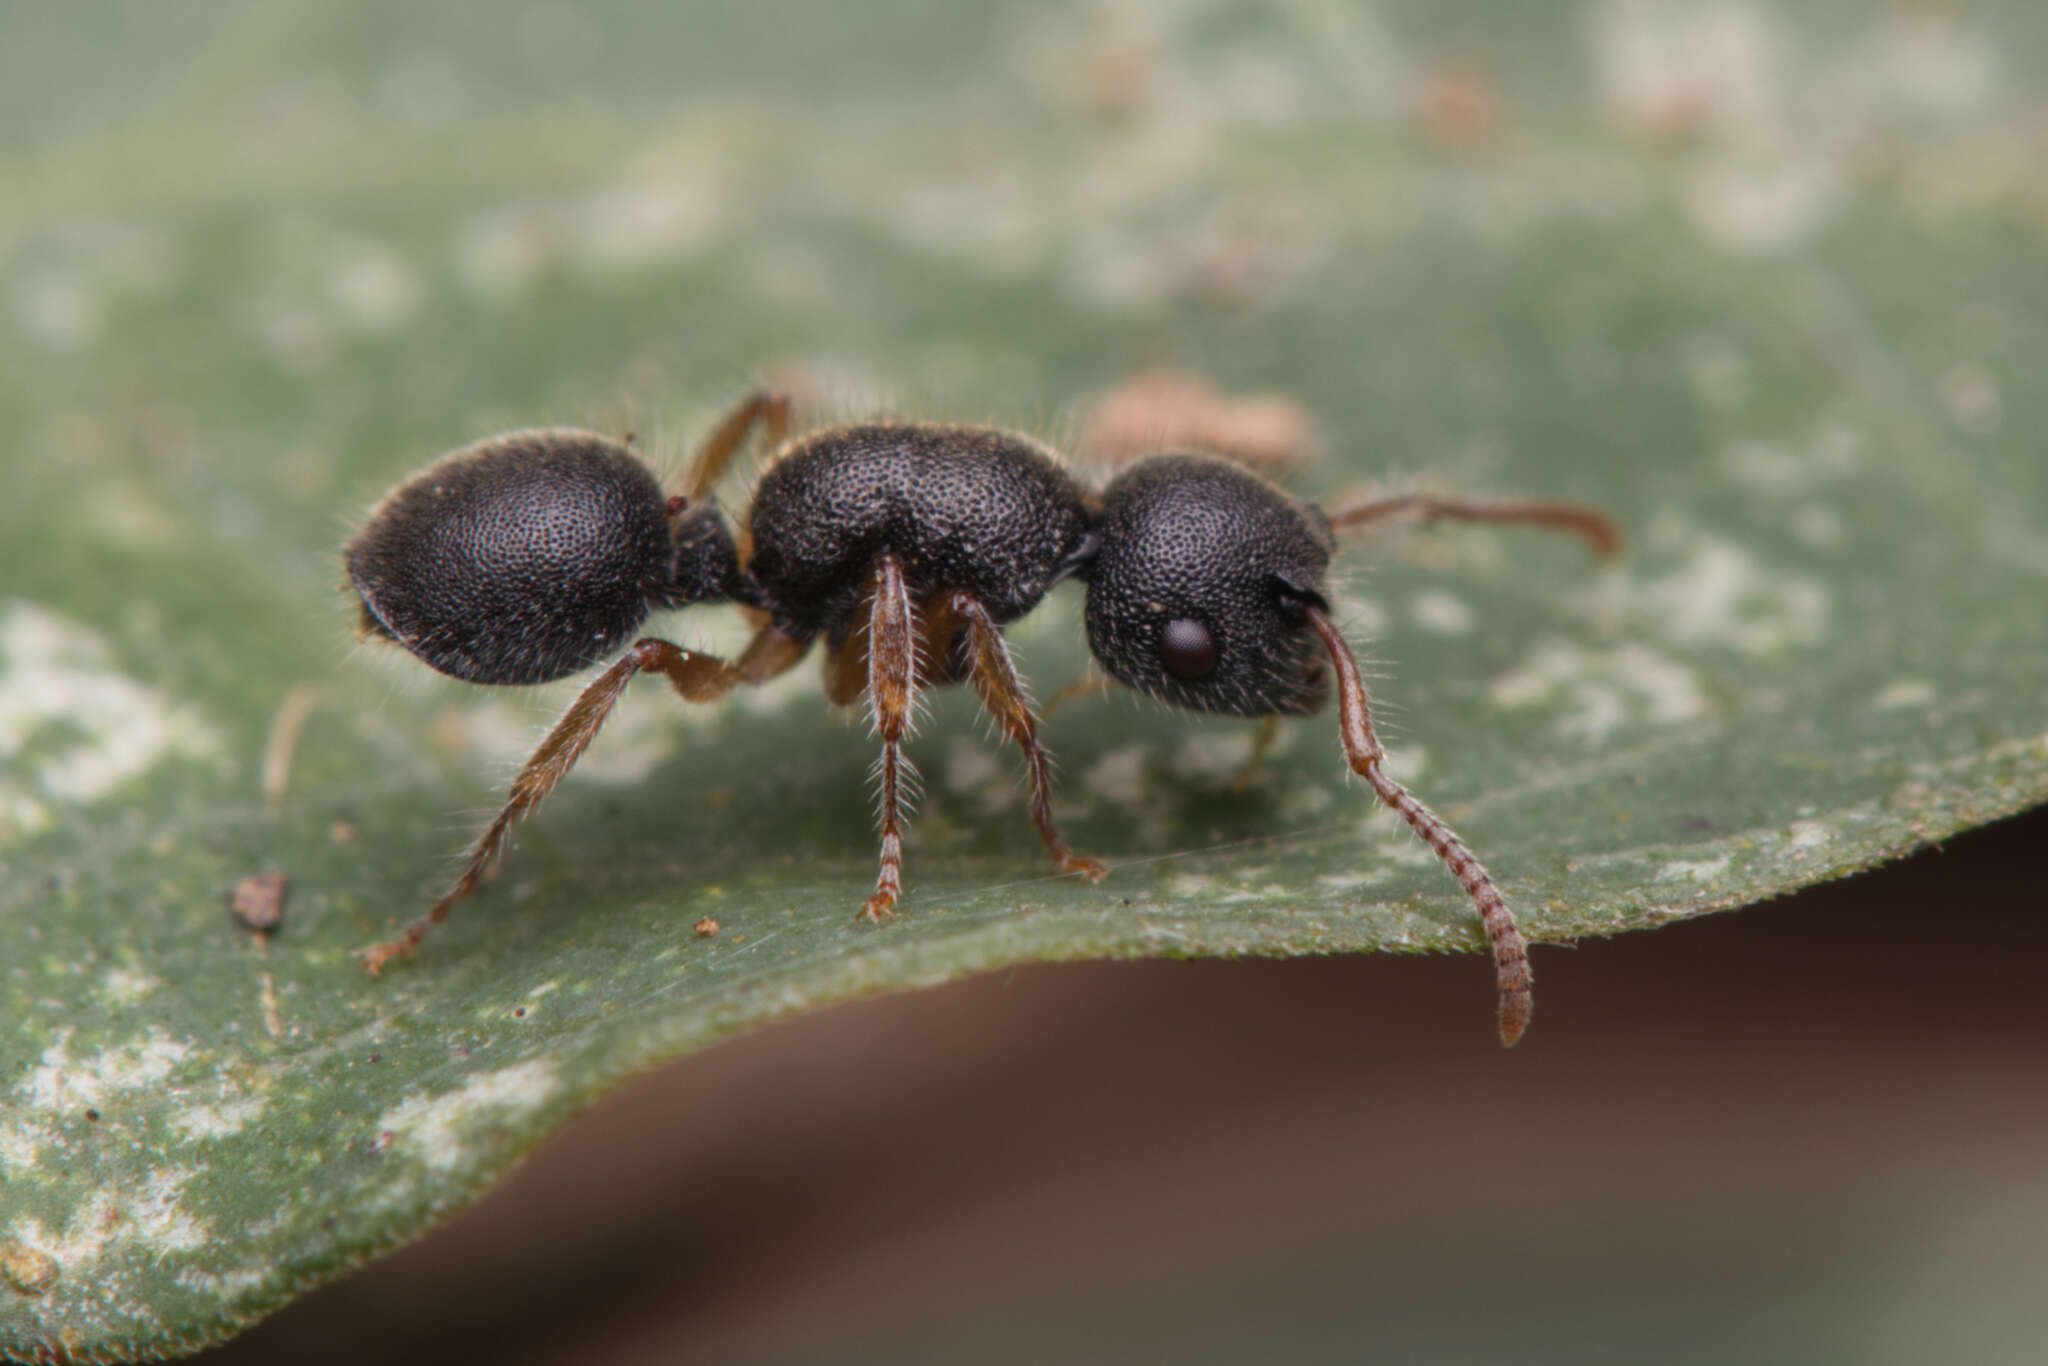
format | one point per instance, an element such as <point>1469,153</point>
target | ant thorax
<point>963,509</point>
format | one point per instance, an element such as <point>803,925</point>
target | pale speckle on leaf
<point>147,1217</point>
<point>59,1083</point>
<point>57,673</point>
<point>201,1122</point>
<point>1695,870</point>
<point>1805,835</point>
<point>1724,595</point>
<point>434,1129</point>
<point>1904,692</point>
<point>1442,612</point>
<point>1119,776</point>
<point>125,986</point>
<point>1603,690</point>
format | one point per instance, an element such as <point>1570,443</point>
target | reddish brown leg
<point>771,409</point>
<point>698,677</point>
<point>1594,526</point>
<point>846,666</point>
<point>1093,683</point>
<point>1002,693</point>
<point>892,692</point>
<point>1262,745</point>
<point>1512,978</point>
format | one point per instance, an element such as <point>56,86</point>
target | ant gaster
<point>905,548</point>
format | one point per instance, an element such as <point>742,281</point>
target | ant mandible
<point>906,547</point>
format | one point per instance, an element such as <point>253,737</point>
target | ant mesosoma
<point>906,547</point>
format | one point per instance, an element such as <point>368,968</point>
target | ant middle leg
<point>697,677</point>
<point>1591,525</point>
<point>1002,693</point>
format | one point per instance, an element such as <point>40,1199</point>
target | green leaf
<point>1768,292</point>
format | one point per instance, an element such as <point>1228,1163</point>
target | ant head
<point>1200,591</point>
<point>517,560</point>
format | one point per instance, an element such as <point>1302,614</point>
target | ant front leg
<point>1593,526</point>
<point>1003,694</point>
<point>1513,981</point>
<point>697,677</point>
<point>892,696</point>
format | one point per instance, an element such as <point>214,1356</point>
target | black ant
<point>907,547</point>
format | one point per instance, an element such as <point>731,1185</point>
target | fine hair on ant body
<point>906,547</point>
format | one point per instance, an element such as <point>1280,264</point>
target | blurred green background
<point>1767,281</point>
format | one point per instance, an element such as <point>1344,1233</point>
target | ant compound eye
<point>1195,594</point>
<point>1188,650</point>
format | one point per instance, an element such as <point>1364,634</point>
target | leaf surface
<point>1771,298</point>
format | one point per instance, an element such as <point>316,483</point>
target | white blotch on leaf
<point>223,1286</point>
<point>145,1217</point>
<point>1904,692</point>
<point>126,986</point>
<point>1695,870</point>
<point>1442,612</point>
<point>1724,595</point>
<point>1762,204</point>
<point>976,771</point>
<point>1213,758</point>
<point>59,1083</point>
<point>19,1147</point>
<point>58,676</point>
<point>62,308</point>
<point>1670,71</point>
<point>434,1129</point>
<point>1804,835</point>
<point>1834,452</point>
<point>200,1122</point>
<point>1602,690</point>
<point>374,287</point>
<point>1118,776</point>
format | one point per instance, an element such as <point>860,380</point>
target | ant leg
<point>1262,745</point>
<point>698,677</point>
<point>1512,978</point>
<point>771,409</point>
<point>1596,528</point>
<point>892,692</point>
<point>1002,693</point>
<point>1093,683</point>
<point>846,666</point>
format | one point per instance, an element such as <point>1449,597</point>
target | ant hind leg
<point>697,677</point>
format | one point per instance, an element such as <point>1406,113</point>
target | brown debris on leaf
<point>1460,108</point>
<point>1162,410</point>
<point>258,902</point>
<point>29,1270</point>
